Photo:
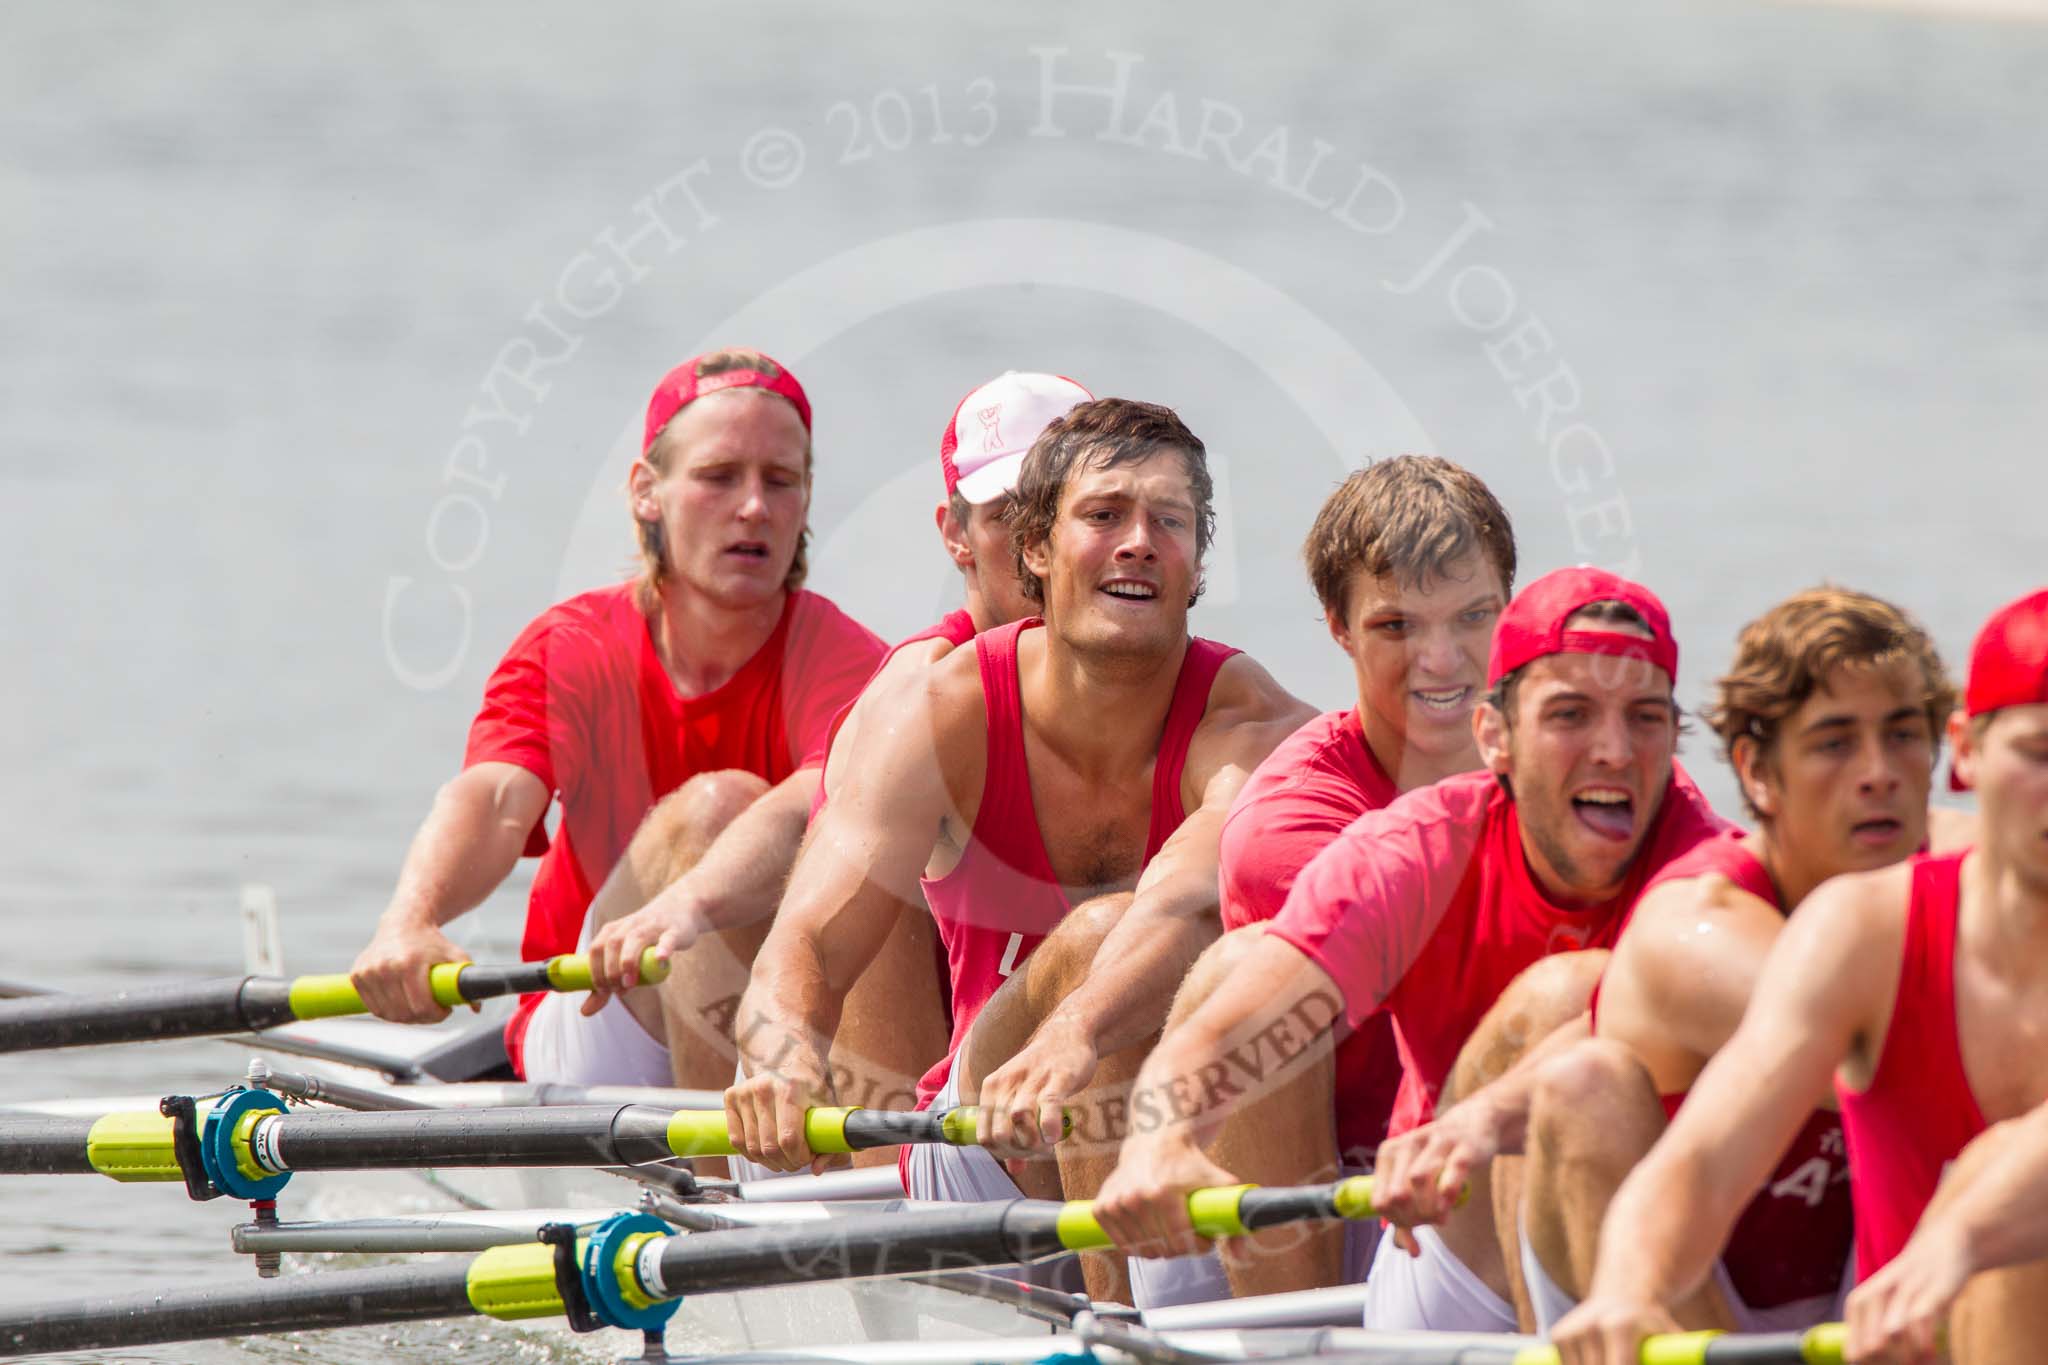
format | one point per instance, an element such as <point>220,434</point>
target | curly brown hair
<point>1787,654</point>
<point>653,550</point>
<point>1103,433</point>
<point>1408,518</point>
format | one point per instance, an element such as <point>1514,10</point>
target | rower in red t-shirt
<point>1039,779</point>
<point>1412,559</point>
<point>894,1022</point>
<point>1831,717</point>
<point>1921,990</point>
<point>1433,905</point>
<point>678,717</point>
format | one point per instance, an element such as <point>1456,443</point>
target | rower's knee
<point>1554,990</point>
<point>684,823</point>
<point>1589,1096</point>
<point>1058,965</point>
<point>1217,964</point>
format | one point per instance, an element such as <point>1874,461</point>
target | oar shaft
<point>346,1298</point>
<point>189,1010</point>
<point>253,1003</point>
<point>47,1146</point>
<point>579,1135</point>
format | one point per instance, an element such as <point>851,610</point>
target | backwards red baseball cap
<point>2009,662</point>
<point>1533,626</point>
<point>994,428</point>
<point>735,367</point>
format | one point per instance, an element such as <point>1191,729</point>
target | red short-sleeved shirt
<point>1309,789</point>
<point>1430,907</point>
<point>582,702</point>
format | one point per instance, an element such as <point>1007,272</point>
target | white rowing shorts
<point>1433,1292</point>
<point>564,1046</point>
<point>1551,1302</point>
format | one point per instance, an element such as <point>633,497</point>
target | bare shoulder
<point>898,684</point>
<point>946,696</point>
<point>1248,715</point>
<point>1244,693</point>
<point>901,678</point>
<point>1847,934</point>
<point>1859,904</point>
<point>1694,944</point>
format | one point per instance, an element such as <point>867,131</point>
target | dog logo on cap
<point>991,435</point>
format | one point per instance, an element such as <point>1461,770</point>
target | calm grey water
<point>326,331</point>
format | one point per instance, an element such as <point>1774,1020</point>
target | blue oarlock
<point>600,1277</point>
<point>217,1146</point>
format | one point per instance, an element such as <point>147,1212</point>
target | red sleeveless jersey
<point>1919,1112</point>
<point>956,628</point>
<point>1002,898</point>
<point>1792,1240</point>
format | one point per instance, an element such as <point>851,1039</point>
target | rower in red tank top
<point>1921,991</point>
<point>1918,1112</point>
<point>1792,1240</point>
<point>1002,897</point>
<point>1829,715</point>
<point>1054,769</point>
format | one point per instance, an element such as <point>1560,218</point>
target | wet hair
<point>1786,655</point>
<point>1103,433</point>
<point>654,561</point>
<point>1409,518</point>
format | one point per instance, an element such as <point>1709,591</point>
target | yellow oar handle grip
<point>1213,1211</point>
<point>1818,1345</point>
<point>962,1124</point>
<point>702,1132</point>
<point>324,997</point>
<point>571,971</point>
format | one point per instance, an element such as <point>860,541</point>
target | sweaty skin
<point>1822,1009</point>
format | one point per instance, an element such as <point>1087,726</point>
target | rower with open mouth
<point>1061,786</point>
<point>679,718</point>
<point>1920,990</point>
<point>1435,908</point>
<point>1830,716</point>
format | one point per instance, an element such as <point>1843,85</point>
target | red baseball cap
<point>1533,626</point>
<point>687,382</point>
<point>994,428</point>
<point>2009,661</point>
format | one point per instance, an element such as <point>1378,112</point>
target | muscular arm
<point>468,844</point>
<point>855,874</point>
<point>1683,973</point>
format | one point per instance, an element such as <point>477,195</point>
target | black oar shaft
<point>150,1012</point>
<point>47,1146</point>
<point>910,1242</point>
<point>579,1135</point>
<point>346,1298</point>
